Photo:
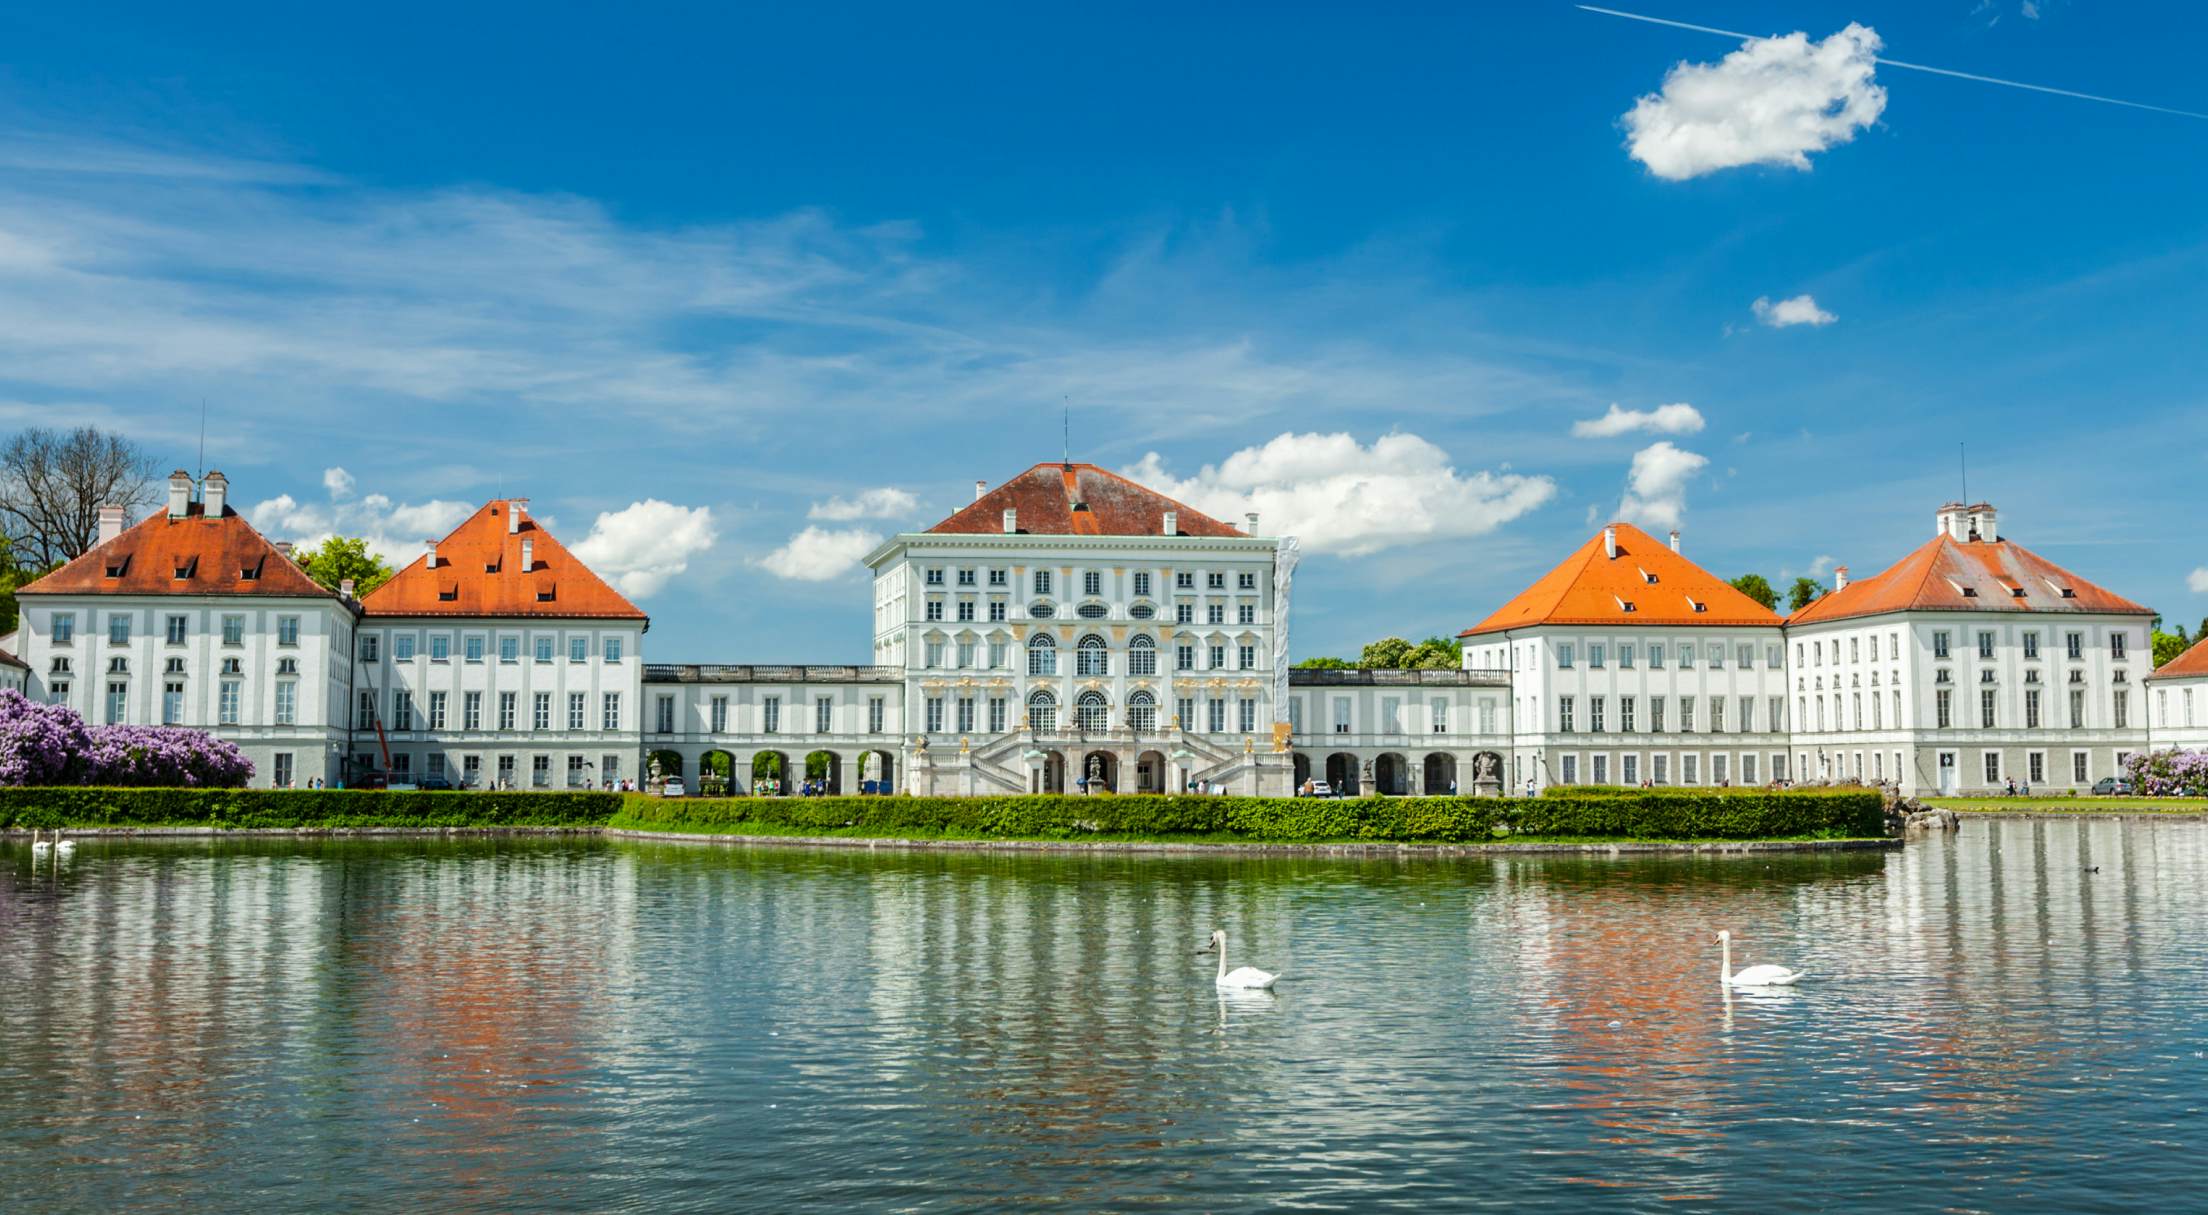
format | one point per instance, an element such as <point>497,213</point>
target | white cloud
<point>1680,419</point>
<point>1799,310</point>
<point>1773,101</point>
<point>1822,565</point>
<point>1339,496</point>
<point>887,502</point>
<point>819,554</point>
<point>2197,581</point>
<point>1656,487</point>
<point>640,547</point>
<point>393,531</point>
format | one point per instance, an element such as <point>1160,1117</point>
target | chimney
<point>431,547</point>
<point>1675,539</point>
<point>1251,519</point>
<point>284,547</point>
<point>1951,522</point>
<point>514,511</point>
<point>1011,520</point>
<point>1982,518</point>
<point>1840,578</point>
<point>111,522</point>
<point>1610,541</point>
<point>1172,525</point>
<point>215,492</point>
<point>180,494</point>
<point>980,488</point>
<point>528,555</point>
<point>345,587</point>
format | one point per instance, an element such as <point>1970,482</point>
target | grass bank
<point>1600,816</point>
<point>22,809</point>
<point>2071,805</point>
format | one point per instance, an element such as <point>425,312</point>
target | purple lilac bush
<point>2171,773</point>
<point>43,744</point>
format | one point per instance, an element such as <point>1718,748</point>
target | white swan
<point>1246,977</point>
<point>1752,976</point>
<point>63,847</point>
<point>39,842</point>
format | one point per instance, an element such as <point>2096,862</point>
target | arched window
<point>1089,658</point>
<point>1093,712</point>
<point>1042,711</point>
<point>1142,712</point>
<point>1042,655</point>
<point>1142,656</point>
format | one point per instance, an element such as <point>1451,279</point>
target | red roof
<point>10,660</point>
<point>194,555</point>
<point>1645,584</point>
<point>479,573</point>
<point>1949,575</point>
<point>2192,662</point>
<point>1079,500</point>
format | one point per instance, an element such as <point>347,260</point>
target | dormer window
<point>490,567</point>
<point>186,568</point>
<point>119,566</point>
<point>449,594</point>
<point>546,594</point>
<point>1697,605</point>
<point>2016,592</point>
<point>1624,605</point>
<point>1648,578</point>
<point>251,573</point>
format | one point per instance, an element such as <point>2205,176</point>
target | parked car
<point>2112,786</point>
<point>672,788</point>
<point>433,782</point>
<point>369,780</point>
<point>1320,788</point>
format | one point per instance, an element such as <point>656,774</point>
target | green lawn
<point>958,835</point>
<point>2074,805</point>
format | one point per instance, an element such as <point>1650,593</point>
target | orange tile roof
<point>2192,662</point>
<point>1949,575</point>
<point>479,573</point>
<point>194,555</point>
<point>1661,586</point>
<point>1079,500</point>
<point>10,660</point>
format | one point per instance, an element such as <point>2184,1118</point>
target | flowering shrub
<point>42,744</point>
<point>2171,773</point>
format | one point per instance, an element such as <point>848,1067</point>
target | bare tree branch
<point>53,483</point>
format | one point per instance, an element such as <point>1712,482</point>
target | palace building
<point>1072,630</point>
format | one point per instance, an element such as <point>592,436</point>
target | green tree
<point>342,557</point>
<point>1803,593</point>
<point>2167,646</point>
<point>1439,654</point>
<point>1754,586</point>
<point>1387,654</point>
<point>1323,663</point>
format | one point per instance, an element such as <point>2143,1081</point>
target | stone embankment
<point>1907,815</point>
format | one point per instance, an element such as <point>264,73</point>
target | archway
<point>824,771</point>
<point>1050,774</point>
<point>770,772</point>
<point>1150,772</point>
<point>1100,769</point>
<point>670,764</point>
<point>877,772</point>
<point>1391,775</point>
<point>716,773</point>
<point>1303,770</point>
<point>1092,713</point>
<point>1440,774</point>
<point>1341,772</point>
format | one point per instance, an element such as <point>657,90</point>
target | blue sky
<point>728,293</point>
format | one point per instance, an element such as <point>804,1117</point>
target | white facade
<point>1401,732</point>
<point>856,714</point>
<point>2178,712</point>
<point>1621,704</point>
<point>503,702</point>
<point>269,674</point>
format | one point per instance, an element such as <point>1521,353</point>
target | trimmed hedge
<point>1656,814</point>
<point>310,809</point>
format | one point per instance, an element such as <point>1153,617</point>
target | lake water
<point>598,1026</point>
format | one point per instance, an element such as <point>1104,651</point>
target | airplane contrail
<point>1914,67</point>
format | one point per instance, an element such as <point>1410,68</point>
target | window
<point>1184,581</point>
<point>1625,713</point>
<point>1686,714</point>
<point>176,630</point>
<point>1247,582</point>
<point>1625,654</point>
<point>368,647</point>
<point>540,771</point>
<point>2077,710</point>
<point>65,628</point>
<point>1717,715</point>
<point>509,649</point>
<point>2078,771</point>
<point>664,714</point>
<point>172,703</point>
<point>1439,718</point>
<point>716,715</point>
<point>1570,770</point>
<point>874,710</point>
<point>506,707</point>
<point>577,703</point>
<point>1341,715</point>
<point>471,710</point>
<point>966,576</point>
<point>118,665</point>
<point>436,710</point>
<point>2035,767</point>
<point>1943,708</point>
<point>287,630</point>
<point>1629,769</point>
<point>1142,713</point>
<point>402,710</point>
<point>543,649</point>
<point>824,714</point>
<point>1042,655</point>
<point>996,715</point>
<point>1773,656</point>
<point>1091,714</point>
<point>578,649</point>
<point>934,610</point>
<point>1042,582</point>
<point>1042,711</point>
<point>996,577</point>
<point>996,656</point>
<point>613,649</point>
<point>1564,714</point>
<point>965,714</point>
<point>1184,613</point>
<point>996,611</point>
<point>1688,774</point>
<point>1717,655</point>
<point>440,648</point>
<point>932,654</point>
<point>1245,713</point>
<point>1142,583</point>
<point>1217,654</point>
<point>1985,708</point>
<point>1596,652</point>
<point>1245,613</point>
<point>1092,582</point>
<point>933,577</point>
<point>965,655</point>
<point>287,702</point>
<point>1686,655</point>
<point>1595,706</point>
<point>2075,642</point>
<point>365,718</point>
<point>1747,724</point>
<point>1564,654</point>
<point>1656,655</point>
<point>610,712</point>
<point>402,648</point>
<point>540,711</point>
<point>2116,646</point>
<point>1216,581</point>
<point>2122,709</point>
<point>1142,656</point>
<point>1215,613</point>
<point>226,711</point>
<point>1744,656</point>
<point>1215,715</point>
<point>1993,767</point>
<point>287,666</point>
<point>576,777</point>
<point>2031,645</point>
<point>1041,611</point>
<point>1245,657</point>
<point>2031,708</point>
<point>118,630</point>
<point>1939,643</point>
<point>1656,714</point>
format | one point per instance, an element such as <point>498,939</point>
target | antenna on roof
<point>202,439</point>
<point>1065,432</point>
<point>1962,454</point>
